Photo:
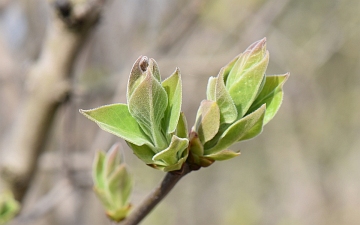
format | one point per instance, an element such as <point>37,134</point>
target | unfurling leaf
<point>170,155</point>
<point>241,99</point>
<point>217,92</point>
<point>182,129</point>
<point>271,95</point>
<point>207,120</point>
<point>112,183</point>
<point>152,119</point>
<point>236,131</point>
<point>147,105</point>
<point>173,88</point>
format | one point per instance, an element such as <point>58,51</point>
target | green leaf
<point>223,155</point>
<point>254,53</point>
<point>176,166</point>
<point>173,88</point>
<point>126,187</point>
<point>196,147</point>
<point>229,67</point>
<point>271,95</point>
<point>147,105</point>
<point>173,153</point>
<point>228,111</point>
<point>250,57</point>
<point>236,131</point>
<point>207,120</point>
<point>137,74</point>
<point>117,183</point>
<point>117,120</point>
<point>98,170</point>
<point>144,152</point>
<point>120,186</point>
<point>182,129</point>
<point>245,89</point>
<point>112,159</point>
<point>104,197</point>
<point>114,186</point>
<point>211,89</point>
<point>153,66</point>
<point>255,130</point>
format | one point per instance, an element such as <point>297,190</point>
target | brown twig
<point>166,185</point>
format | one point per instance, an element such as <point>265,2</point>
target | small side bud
<point>112,183</point>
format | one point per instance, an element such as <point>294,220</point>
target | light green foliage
<point>207,120</point>
<point>173,88</point>
<point>9,207</point>
<point>112,183</point>
<point>247,99</point>
<point>151,120</point>
<point>116,119</point>
<point>240,101</point>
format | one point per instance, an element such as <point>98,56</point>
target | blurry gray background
<point>303,169</point>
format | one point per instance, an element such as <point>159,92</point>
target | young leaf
<point>196,147</point>
<point>271,95</point>
<point>254,53</point>
<point>236,131</point>
<point>250,57</point>
<point>173,88</point>
<point>230,66</point>
<point>114,186</point>
<point>153,66</point>
<point>176,166</point>
<point>228,111</point>
<point>207,120</point>
<point>98,170</point>
<point>144,152</point>
<point>117,120</point>
<point>172,154</point>
<point>211,89</point>
<point>223,155</point>
<point>112,159</point>
<point>255,130</point>
<point>244,90</point>
<point>147,105</point>
<point>182,129</point>
<point>137,74</point>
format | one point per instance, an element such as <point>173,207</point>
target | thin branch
<point>166,185</point>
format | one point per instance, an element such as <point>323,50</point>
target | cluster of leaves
<point>240,101</point>
<point>112,183</point>
<point>9,207</point>
<point>150,122</point>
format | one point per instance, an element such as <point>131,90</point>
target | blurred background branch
<point>47,85</point>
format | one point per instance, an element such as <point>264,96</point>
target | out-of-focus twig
<point>47,86</point>
<point>57,194</point>
<point>166,185</point>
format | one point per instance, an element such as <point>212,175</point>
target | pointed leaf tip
<point>116,119</point>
